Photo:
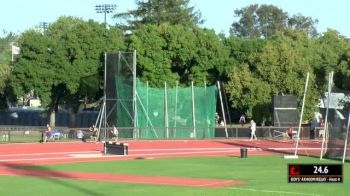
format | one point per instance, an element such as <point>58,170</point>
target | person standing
<point>115,132</point>
<point>242,120</point>
<point>314,124</point>
<point>253,129</point>
<point>217,119</point>
<point>321,132</point>
<point>81,136</point>
<point>94,131</point>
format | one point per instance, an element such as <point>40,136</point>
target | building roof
<point>337,100</point>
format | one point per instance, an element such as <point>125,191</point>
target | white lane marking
<point>270,191</point>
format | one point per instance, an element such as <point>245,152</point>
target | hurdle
<point>116,148</point>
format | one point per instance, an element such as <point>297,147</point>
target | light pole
<point>105,8</point>
<point>43,26</point>
<point>268,17</point>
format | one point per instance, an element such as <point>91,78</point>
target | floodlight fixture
<point>44,26</point>
<point>105,8</point>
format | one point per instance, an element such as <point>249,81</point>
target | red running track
<point>12,156</point>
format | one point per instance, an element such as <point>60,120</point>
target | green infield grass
<point>265,175</point>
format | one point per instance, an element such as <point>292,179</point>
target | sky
<point>19,15</point>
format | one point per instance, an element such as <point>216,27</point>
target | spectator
<point>313,125</point>
<point>94,131</point>
<point>48,133</point>
<point>253,129</point>
<point>217,118</point>
<point>115,132</point>
<point>321,132</point>
<point>81,136</point>
<point>242,120</point>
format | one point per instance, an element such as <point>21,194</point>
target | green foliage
<point>53,64</point>
<point>160,11</point>
<point>4,74</point>
<point>5,60</point>
<point>256,21</point>
<point>64,65</point>
<point>178,53</point>
<point>330,53</point>
<point>241,50</point>
<point>249,93</point>
<point>280,66</point>
<point>304,24</point>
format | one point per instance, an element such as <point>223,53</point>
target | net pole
<point>193,111</point>
<point>100,124</point>
<point>134,92</point>
<point>226,104</point>
<point>105,113</point>
<point>206,131</point>
<point>99,116</point>
<point>330,83</point>
<point>144,110</point>
<point>277,118</point>
<point>346,137</point>
<point>166,110</point>
<point>301,114</point>
<point>147,102</point>
<point>176,92</point>
<point>222,109</point>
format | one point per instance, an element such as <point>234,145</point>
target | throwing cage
<point>335,138</point>
<point>143,112</point>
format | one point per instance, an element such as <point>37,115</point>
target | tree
<point>5,60</point>
<point>280,66</point>
<point>256,21</point>
<point>241,50</point>
<point>248,93</point>
<point>303,23</point>
<point>158,12</point>
<point>53,64</point>
<point>178,53</point>
<point>329,53</point>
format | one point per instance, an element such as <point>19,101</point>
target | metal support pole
<point>193,111</point>
<point>301,114</point>
<point>330,83</point>
<point>176,92</point>
<point>144,110</point>
<point>134,94</point>
<point>207,121</point>
<point>222,109</point>
<point>147,102</point>
<point>105,99</point>
<point>166,111</point>
<point>346,137</point>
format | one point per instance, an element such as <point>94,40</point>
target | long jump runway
<point>13,156</point>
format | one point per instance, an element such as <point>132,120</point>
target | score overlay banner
<point>323,173</point>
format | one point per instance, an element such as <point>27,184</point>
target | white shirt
<point>253,126</point>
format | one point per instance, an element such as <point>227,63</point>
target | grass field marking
<point>37,159</point>
<point>215,183</point>
<point>48,153</point>
<point>270,191</point>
